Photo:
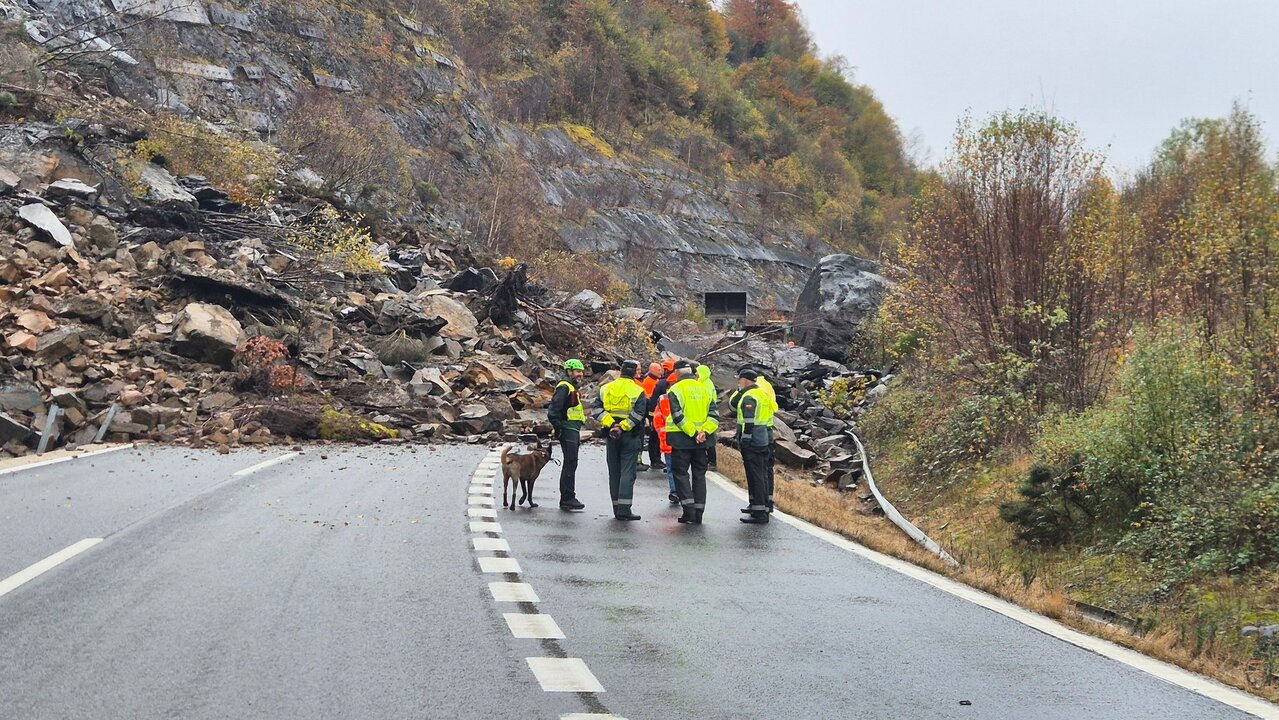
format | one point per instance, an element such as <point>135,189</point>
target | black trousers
<point>772,460</point>
<point>689,466</point>
<point>756,463</point>
<point>654,447</point>
<point>623,455</point>
<point>570,443</point>
<point>711,454</point>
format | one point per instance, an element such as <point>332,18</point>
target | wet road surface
<point>369,583</point>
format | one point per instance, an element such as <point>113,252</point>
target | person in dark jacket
<point>754,437</point>
<point>622,410</point>
<point>567,416</point>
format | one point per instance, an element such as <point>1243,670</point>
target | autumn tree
<point>1009,259</point>
<point>355,148</point>
<point>756,26</point>
<point>1209,205</point>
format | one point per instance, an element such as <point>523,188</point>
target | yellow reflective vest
<point>766,388</point>
<point>690,411</point>
<point>575,413</point>
<point>621,402</point>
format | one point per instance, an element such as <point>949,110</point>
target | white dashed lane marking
<point>18,579</point>
<point>493,544</point>
<point>533,626</point>
<point>564,675</point>
<point>265,464</point>
<point>554,674</point>
<point>513,592</point>
<point>499,565</point>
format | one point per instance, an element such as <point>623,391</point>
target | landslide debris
<point>180,316</point>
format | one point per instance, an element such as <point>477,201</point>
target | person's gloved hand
<point>615,432</point>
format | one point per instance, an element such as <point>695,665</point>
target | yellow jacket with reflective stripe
<point>690,411</point>
<point>766,388</point>
<point>754,417</point>
<point>621,402</point>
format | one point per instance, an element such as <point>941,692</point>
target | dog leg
<point>523,490</point>
<point>506,480</point>
<point>532,482</point>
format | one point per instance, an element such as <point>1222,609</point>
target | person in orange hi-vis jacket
<point>654,384</point>
<point>660,416</point>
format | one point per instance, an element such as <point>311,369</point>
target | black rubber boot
<point>756,518</point>
<point>689,516</point>
<point>624,513</point>
<point>573,504</point>
<point>697,519</point>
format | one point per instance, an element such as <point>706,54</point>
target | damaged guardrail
<point>891,512</point>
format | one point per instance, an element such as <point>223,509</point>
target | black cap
<point>681,364</point>
<point>748,373</point>
<point>629,367</point>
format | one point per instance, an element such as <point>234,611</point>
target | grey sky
<point>1127,71</point>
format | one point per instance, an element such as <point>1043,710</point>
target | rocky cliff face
<point>670,231</point>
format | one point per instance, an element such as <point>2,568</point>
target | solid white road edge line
<point>20,578</point>
<point>64,458</point>
<point>1164,671</point>
<point>265,464</point>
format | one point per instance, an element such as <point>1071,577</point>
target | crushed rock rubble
<point>129,319</point>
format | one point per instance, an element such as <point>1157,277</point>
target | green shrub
<point>1053,506</point>
<point>427,193</point>
<point>1176,466</point>
<point>844,395</point>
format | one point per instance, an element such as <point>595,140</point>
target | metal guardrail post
<point>48,429</point>
<point>106,423</point>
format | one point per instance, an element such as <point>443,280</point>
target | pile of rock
<point>126,319</point>
<point>809,435</point>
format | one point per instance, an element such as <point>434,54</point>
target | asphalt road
<point>346,583</point>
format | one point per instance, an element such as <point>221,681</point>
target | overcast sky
<point>1127,71</point>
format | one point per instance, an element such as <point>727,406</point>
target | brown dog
<point>523,463</point>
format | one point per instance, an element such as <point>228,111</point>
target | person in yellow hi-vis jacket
<point>754,438</point>
<point>690,432</point>
<point>567,416</point>
<point>770,395</point>
<point>620,410</point>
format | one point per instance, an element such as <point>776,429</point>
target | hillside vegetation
<point>1091,397</point>
<point>739,93</point>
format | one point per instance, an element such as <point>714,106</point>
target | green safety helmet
<point>574,364</point>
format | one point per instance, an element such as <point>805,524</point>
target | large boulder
<point>207,332</point>
<point>842,292</point>
<point>462,324</point>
